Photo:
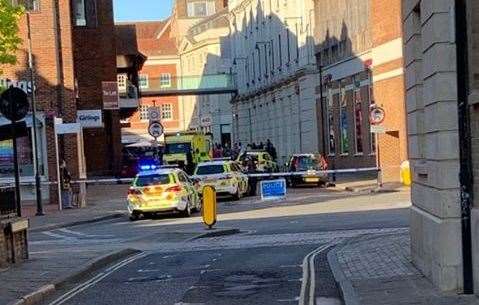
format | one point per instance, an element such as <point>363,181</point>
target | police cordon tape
<point>252,175</point>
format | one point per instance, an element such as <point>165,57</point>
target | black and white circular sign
<point>155,129</point>
<point>14,104</point>
<point>377,115</point>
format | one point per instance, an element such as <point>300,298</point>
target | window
<point>143,81</point>
<point>372,137</point>
<point>166,111</point>
<point>201,8</point>
<point>358,121</point>
<point>144,112</point>
<point>330,122</point>
<point>212,169</point>
<point>29,5</point>
<point>122,80</point>
<point>343,123</point>
<point>165,80</point>
<point>84,13</point>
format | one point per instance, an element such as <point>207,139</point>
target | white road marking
<point>308,272</point>
<point>99,277</point>
<point>290,266</point>
<point>64,230</point>
<point>149,270</point>
<point>51,234</point>
<point>289,300</point>
<point>328,301</point>
<point>181,303</point>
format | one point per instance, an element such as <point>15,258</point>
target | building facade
<point>205,55</point>
<point>159,72</point>
<point>67,82</point>
<point>359,53</point>
<point>441,60</point>
<point>273,59</point>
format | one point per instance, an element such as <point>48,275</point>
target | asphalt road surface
<point>278,258</point>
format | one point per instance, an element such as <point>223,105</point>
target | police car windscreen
<point>178,148</point>
<point>155,179</point>
<point>210,169</point>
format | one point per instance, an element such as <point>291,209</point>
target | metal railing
<point>202,84</point>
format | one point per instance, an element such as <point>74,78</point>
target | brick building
<point>359,52</point>
<point>73,51</point>
<point>442,89</point>
<point>159,71</point>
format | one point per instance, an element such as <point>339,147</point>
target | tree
<point>9,39</point>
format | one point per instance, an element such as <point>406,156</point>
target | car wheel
<point>237,195</point>
<point>134,216</point>
<point>187,211</point>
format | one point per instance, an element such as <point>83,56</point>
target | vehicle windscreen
<point>155,179</point>
<point>254,157</point>
<point>210,169</point>
<point>178,148</point>
<point>307,163</point>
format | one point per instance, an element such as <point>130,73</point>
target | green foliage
<point>9,40</point>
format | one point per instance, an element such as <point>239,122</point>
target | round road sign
<point>14,104</point>
<point>377,115</point>
<point>155,129</point>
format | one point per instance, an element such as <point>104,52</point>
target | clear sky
<point>135,10</point>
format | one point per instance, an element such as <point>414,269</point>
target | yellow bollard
<point>406,173</point>
<point>209,206</point>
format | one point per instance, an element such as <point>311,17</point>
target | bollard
<point>209,206</point>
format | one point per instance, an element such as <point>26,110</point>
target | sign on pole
<point>111,96</point>
<point>154,114</point>
<point>378,129</point>
<point>155,129</point>
<point>377,116</point>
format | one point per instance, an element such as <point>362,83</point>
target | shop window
<point>144,112</point>
<point>29,5</point>
<point>165,80</point>
<point>330,123</point>
<point>358,122</point>
<point>343,123</point>
<point>143,81</point>
<point>166,112</point>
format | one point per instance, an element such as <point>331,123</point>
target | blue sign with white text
<point>273,189</point>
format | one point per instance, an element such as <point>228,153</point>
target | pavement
<point>377,270</point>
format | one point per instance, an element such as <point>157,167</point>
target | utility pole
<point>34,121</point>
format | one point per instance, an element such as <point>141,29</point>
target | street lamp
<point>34,121</point>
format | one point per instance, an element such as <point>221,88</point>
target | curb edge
<point>346,289</point>
<point>93,265</point>
<point>77,223</point>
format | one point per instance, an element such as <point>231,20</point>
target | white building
<point>206,58</point>
<point>276,74</point>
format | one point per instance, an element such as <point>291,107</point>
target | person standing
<point>66,189</point>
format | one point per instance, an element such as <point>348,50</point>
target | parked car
<point>262,159</point>
<point>160,190</point>
<point>224,175</point>
<point>308,168</point>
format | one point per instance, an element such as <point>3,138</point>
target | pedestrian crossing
<point>69,236</point>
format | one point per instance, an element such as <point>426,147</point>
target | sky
<point>142,10</point>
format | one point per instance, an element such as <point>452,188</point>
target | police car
<point>158,189</point>
<point>224,175</point>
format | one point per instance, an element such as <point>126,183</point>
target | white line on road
<point>288,300</point>
<point>70,294</point>
<point>64,230</point>
<point>51,234</point>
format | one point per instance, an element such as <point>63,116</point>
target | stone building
<point>442,83</point>
<point>276,75</point>
<point>359,53</point>
<point>205,54</point>
<point>73,49</point>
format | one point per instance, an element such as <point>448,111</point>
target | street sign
<point>155,129</point>
<point>377,115</point>
<point>111,98</point>
<point>378,129</point>
<point>273,189</point>
<point>14,104</point>
<point>154,114</point>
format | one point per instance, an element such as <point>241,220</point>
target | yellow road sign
<point>209,206</point>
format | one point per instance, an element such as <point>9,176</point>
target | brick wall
<point>95,61</point>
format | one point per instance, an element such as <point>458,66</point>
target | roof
<point>151,38</point>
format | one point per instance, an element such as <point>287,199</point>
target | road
<point>279,257</point>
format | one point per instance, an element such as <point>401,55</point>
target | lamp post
<point>38,190</point>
